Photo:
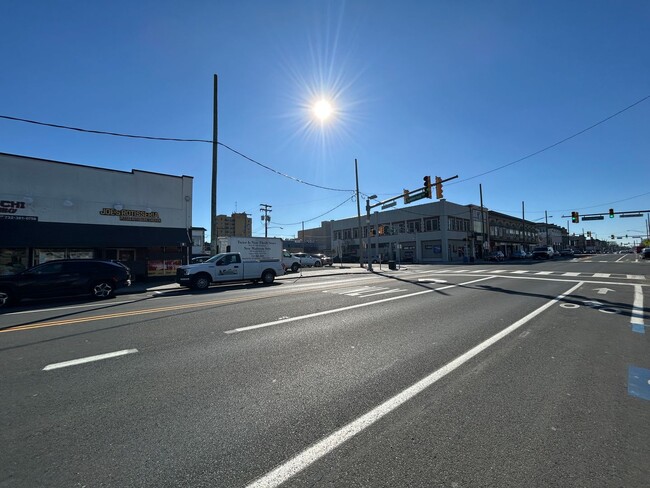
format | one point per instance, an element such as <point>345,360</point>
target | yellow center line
<point>78,320</point>
<point>225,301</point>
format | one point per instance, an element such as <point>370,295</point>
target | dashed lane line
<point>89,359</point>
<point>351,307</point>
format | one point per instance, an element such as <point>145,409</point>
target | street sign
<point>415,197</point>
<point>631,215</point>
<point>388,205</point>
<point>594,217</point>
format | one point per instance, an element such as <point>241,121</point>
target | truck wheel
<point>267,277</point>
<point>295,267</point>
<point>201,282</point>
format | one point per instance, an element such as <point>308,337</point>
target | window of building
<point>432,224</point>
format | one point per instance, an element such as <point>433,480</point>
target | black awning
<point>17,233</point>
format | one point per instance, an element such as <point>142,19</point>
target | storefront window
<point>44,255</point>
<point>13,261</point>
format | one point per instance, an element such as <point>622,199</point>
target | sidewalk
<point>170,284</point>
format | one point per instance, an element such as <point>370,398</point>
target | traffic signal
<point>406,196</point>
<point>427,186</point>
<point>438,187</point>
<point>612,236</point>
<point>381,230</point>
<point>588,233</point>
<point>575,217</point>
<point>611,213</point>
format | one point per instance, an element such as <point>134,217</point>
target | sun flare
<point>323,110</point>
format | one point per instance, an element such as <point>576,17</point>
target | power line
<point>319,216</point>
<point>556,143</point>
<point>171,139</point>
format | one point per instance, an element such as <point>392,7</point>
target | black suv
<point>65,277</point>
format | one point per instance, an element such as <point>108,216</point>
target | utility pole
<point>215,139</point>
<point>546,216</point>
<point>480,188</point>
<point>356,174</point>
<point>266,218</point>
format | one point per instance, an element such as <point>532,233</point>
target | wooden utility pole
<point>215,139</point>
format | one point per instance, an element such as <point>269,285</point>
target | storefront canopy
<point>16,233</point>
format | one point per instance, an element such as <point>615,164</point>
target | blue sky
<point>418,87</point>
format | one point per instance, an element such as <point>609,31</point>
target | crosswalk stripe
<point>570,274</point>
<point>602,275</point>
<point>544,272</point>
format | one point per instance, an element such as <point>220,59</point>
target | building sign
<point>131,215</point>
<point>11,206</point>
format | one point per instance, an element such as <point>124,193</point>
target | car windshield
<point>214,258</point>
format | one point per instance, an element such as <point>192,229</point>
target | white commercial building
<point>51,210</point>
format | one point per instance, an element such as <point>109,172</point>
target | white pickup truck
<point>228,267</point>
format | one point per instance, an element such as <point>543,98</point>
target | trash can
<point>392,265</point>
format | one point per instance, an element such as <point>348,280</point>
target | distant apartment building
<point>237,225</point>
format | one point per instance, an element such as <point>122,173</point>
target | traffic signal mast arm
<point>611,213</point>
<point>407,194</point>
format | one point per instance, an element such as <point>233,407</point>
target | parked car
<point>307,260</point>
<point>518,255</point>
<point>645,254</point>
<point>543,252</point>
<point>496,256</point>
<point>65,277</point>
<point>567,252</point>
<point>325,260</point>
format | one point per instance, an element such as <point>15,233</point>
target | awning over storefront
<point>16,233</point>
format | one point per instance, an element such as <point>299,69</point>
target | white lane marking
<point>351,307</point>
<point>323,447</point>
<point>392,290</point>
<point>601,275</point>
<point>345,291</point>
<point>521,271</point>
<point>89,359</point>
<point>479,271</point>
<point>544,272</point>
<point>635,277</point>
<point>368,289</point>
<point>621,258</point>
<point>499,271</point>
<point>431,280</point>
<point>637,308</point>
<point>570,274</point>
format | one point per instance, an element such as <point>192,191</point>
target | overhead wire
<point>556,143</point>
<point>321,215</point>
<point>171,139</point>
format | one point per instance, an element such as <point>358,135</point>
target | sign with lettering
<point>131,215</point>
<point>11,206</point>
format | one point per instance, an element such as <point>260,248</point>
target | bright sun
<point>323,109</point>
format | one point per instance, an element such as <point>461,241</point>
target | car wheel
<point>201,282</point>
<point>295,267</point>
<point>102,289</point>
<point>267,277</point>
<point>317,264</point>
<point>7,299</point>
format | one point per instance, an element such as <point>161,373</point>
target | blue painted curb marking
<point>639,328</point>
<point>638,382</point>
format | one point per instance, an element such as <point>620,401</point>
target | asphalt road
<point>504,374</point>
